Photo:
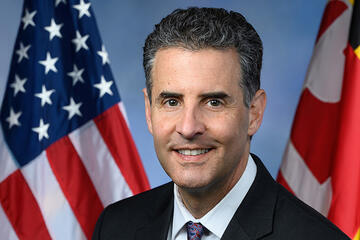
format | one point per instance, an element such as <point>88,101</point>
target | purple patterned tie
<point>194,230</point>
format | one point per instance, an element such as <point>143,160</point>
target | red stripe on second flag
<point>315,120</point>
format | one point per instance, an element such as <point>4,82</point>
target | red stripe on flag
<point>332,11</point>
<point>21,208</point>
<point>314,133</point>
<point>114,130</point>
<point>345,206</point>
<point>280,179</point>
<point>75,183</point>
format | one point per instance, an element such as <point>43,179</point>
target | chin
<point>194,184</point>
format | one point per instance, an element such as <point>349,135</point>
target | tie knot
<point>194,230</point>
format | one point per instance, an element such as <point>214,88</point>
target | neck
<point>200,201</point>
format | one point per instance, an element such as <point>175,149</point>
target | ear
<point>147,110</point>
<point>256,111</point>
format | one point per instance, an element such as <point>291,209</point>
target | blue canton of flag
<point>59,77</point>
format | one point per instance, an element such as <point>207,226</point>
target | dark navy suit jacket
<point>268,212</point>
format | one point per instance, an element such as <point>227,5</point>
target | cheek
<point>229,127</point>
<point>160,123</point>
<point>161,151</point>
<point>162,128</point>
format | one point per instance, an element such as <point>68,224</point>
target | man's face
<point>197,117</point>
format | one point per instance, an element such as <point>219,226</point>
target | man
<point>203,104</point>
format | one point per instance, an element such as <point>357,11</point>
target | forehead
<point>207,69</point>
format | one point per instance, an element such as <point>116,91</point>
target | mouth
<point>193,152</point>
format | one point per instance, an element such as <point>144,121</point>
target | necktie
<point>194,230</point>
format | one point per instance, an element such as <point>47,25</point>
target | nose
<point>190,124</point>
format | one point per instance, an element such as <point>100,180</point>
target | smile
<point>193,152</point>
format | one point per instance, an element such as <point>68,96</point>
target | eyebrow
<point>169,95</point>
<point>166,94</point>
<point>220,95</point>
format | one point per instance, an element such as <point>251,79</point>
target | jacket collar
<point>254,218</point>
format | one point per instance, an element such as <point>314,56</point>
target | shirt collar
<point>217,219</point>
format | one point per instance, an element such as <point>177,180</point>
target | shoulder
<point>142,201</point>
<point>122,218</point>
<point>290,217</point>
<point>294,218</point>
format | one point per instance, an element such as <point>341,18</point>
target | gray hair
<point>199,28</point>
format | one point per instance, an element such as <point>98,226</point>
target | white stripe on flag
<point>100,165</point>
<point>325,74</point>
<point>6,230</point>
<point>55,209</point>
<point>309,190</point>
<point>7,164</point>
<point>123,111</point>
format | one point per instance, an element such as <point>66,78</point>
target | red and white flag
<point>65,148</point>
<point>321,164</point>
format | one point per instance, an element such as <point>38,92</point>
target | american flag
<point>65,148</point>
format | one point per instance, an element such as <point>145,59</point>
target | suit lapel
<point>254,217</point>
<point>159,221</point>
<point>234,231</point>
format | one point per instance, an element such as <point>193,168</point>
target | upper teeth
<point>194,152</point>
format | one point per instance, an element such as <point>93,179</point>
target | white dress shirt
<point>218,218</point>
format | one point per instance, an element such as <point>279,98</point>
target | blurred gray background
<point>288,30</point>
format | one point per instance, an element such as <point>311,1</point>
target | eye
<point>172,102</point>
<point>214,102</point>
